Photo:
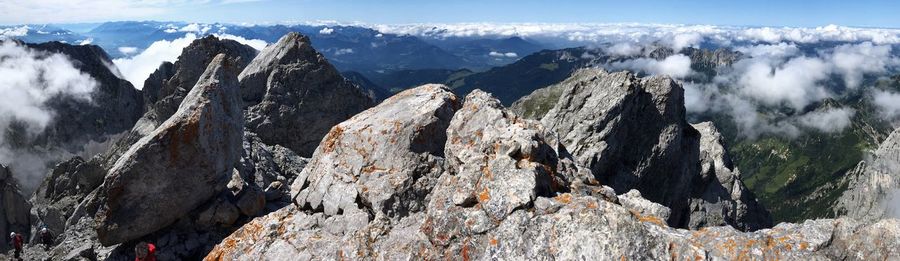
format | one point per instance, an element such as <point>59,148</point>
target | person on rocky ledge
<point>16,240</point>
<point>46,238</point>
<point>144,251</point>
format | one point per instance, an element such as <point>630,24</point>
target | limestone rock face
<point>497,163</point>
<point>14,209</point>
<point>631,133</point>
<point>384,160</point>
<point>873,190</point>
<point>167,87</point>
<point>179,165</point>
<point>294,96</point>
<point>721,197</point>
<point>62,190</point>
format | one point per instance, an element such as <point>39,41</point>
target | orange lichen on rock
<point>648,218</point>
<point>485,195</point>
<point>332,138</point>
<point>564,198</point>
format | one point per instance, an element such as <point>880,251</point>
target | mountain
<point>42,33</point>
<point>293,95</point>
<point>400,80</point>
<point>489,52</point>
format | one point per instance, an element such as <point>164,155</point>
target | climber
<point>144,251</point>
<point>46,238</point>
<point>16,240</point>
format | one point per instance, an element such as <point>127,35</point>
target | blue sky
<point>872,13</point>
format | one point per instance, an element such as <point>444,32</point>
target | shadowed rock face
<point>496,200</point>
<point>873,187</point>
<point>14,207</point>
<point>114,107</point>
<point>177,166</point>
<point>631,133</point>
<point>294,96</point>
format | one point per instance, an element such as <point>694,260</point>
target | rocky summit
<point>504,195</point>
<point>293,96</point>
<point>632,133</point>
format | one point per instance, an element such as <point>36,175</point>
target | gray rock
<point>171,85</point>
<point>384,160</point>
<point>219,213</point>
<point>15,209</point>
<point>61,191</point>
<point>251,201</point>
<point>631,133</point>
<point>721,197</point>
<point>496,200</point>
<point>294,96</point>
<point>178,166</point>
<point>497,163</point>
<point>873,187</point>
<point>634,201</point>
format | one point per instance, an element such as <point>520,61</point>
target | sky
<point>862,13</point>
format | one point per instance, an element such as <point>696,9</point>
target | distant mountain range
<point>349,48</point>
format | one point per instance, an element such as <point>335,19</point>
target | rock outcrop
<point>169,84</point>
<point>721,197</point>
<point>632,133</point>
<point>294,96</point>
<point>873,187</point>
<point>14,207</point>
<point>499,197</point>
<point>383,161</point>
<point>176,167</point>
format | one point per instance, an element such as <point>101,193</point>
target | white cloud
<point>676,66</point>
<point>326,30</point>
<point>28,79</point>
<point>795,83</point>
<point>853,61</point>
<point>501,55</point>
<point>674,35</point>
<point>624,49</point>
<point>828,121</point>
<point>127,50</point>
<point>195,28</point>
<point>86,41</point>
<point>343,51</point>
<point>255,43</point>
<point>14,31</point>
<point>136,69</point>
<point>779,51</point>
<point>888,103</point>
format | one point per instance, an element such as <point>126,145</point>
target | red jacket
<point>17,241</point>
<point>151,253</point>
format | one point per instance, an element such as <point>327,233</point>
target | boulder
<point>294,96</point>
<point>178,166</point>
<point>384,160</point>
<point>167,87</point>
